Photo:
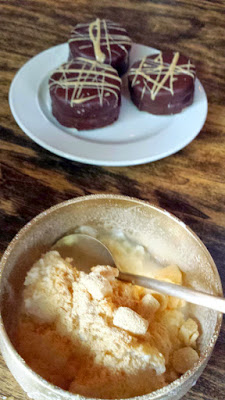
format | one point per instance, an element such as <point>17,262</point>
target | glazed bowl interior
<point>165,237</point>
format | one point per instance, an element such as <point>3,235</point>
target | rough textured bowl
<point>166,237</point>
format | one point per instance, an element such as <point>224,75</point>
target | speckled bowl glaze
<point>163,234</point>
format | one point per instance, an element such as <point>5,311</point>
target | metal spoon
<point>87,251</point>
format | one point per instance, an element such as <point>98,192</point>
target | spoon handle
<point>182,292</point>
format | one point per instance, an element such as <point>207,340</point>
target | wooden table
<point>190,184</point>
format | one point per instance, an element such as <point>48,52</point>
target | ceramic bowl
<point>166,237</point>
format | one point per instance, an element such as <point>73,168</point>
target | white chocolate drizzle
<point>86,74</point>
<point>150,67</point>
<point>96,40</point>
<point>101,35</point>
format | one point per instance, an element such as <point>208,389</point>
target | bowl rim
<point>73,396</point>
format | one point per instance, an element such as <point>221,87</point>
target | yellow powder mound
<point>100,337</point>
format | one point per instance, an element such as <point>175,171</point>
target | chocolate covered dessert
<point>101,40</point>
<point>163,83</point>
<point>85,94</point>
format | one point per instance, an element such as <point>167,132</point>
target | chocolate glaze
<point>103,40</point>
<point>162,84</point>
<point>85,94</point>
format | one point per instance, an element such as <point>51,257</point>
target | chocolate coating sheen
<point>85,94</point>
<point>101,37</point>
<point>163,83</point>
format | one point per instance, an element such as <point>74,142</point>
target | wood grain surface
<point>190,184</point>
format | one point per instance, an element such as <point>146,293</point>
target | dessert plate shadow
<point>135,138</point>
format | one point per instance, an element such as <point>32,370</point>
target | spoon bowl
<point>86,250</point>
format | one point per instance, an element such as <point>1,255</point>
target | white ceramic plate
<point>135,138</point>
